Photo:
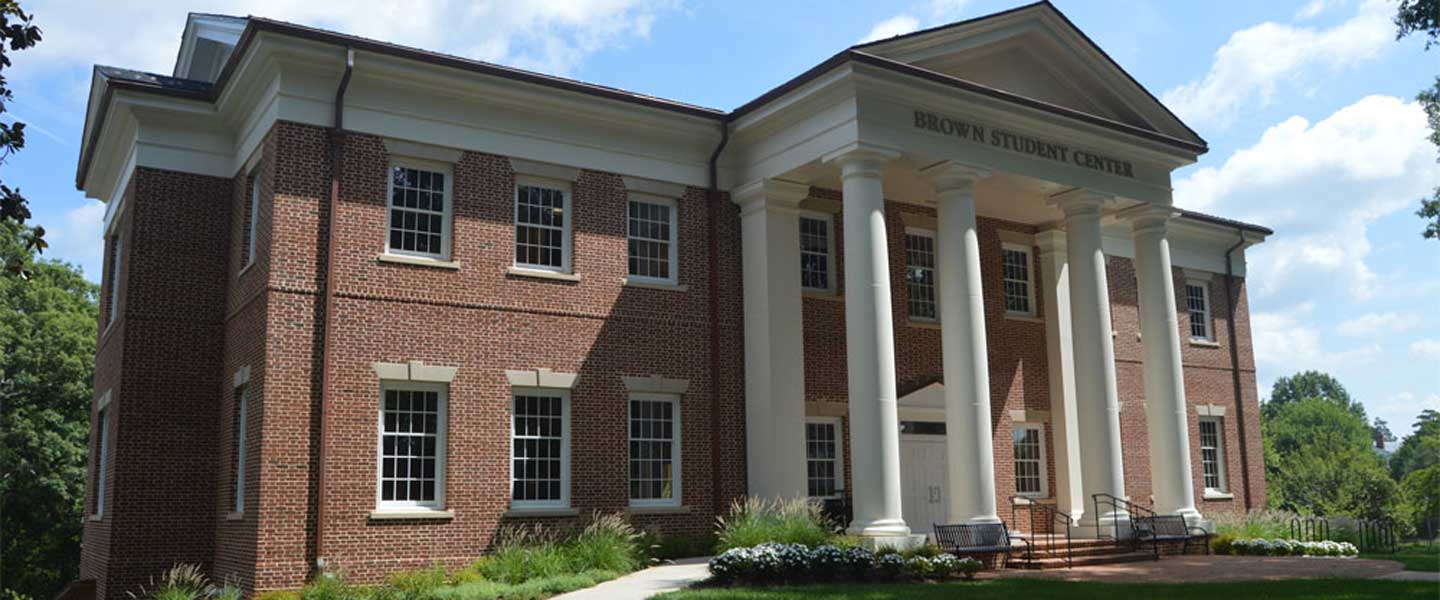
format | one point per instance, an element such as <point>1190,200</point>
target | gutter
<point>712,210</point>
<point>1232,300</point>
<point>327,341</point>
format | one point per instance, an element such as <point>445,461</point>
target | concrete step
<point>1081,561</point>
<point>1079,551</point>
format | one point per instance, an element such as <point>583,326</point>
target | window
<point>1212,454</point>
<point>1197,302</point>
<point>542,231</point>
<point>540,452</point>
<point>114,302</point>
<point>825,470</point>
<point>651,232</point>
<point>412,446</point>
<point>817,262</point>
<point>920,274</point>
<point>102,450</point>
<point>1030,477</point>
<point>654,450</point>
<point>242,402</point>
<point>1015,277</point>
<point>419,210</point>
<point>252,219</point>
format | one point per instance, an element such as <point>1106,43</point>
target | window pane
<point>650,226</point>
<point>409,445</point>
<point>920,275</point>
<point>1028,461</point>
<point>536,441</point>
<point>539,227</point>
<point>417,204</point>
<point>814,253</point>
<point>822,459</point>
<point>652,446</point>
<point>1015,280</point>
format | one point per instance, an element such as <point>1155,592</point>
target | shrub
<point>891,565</point>
<point>668,547</point>
<point>414,585</point>
<point>756,521</point>
<point>1282,547</point>
<point>182,582</point>
<point>919,567</point>
<point>535,589</point>
<point>329,586</point>
<point>608,543</point>
<point>968,567</point>
<point>521,554</point>
<point>925,551</point>
<point>1266,524</point>
<point>1222,544</point>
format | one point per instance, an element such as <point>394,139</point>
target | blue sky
<point>1307,105</point>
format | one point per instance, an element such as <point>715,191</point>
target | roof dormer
<point>206,45</point>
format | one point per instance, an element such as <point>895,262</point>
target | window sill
<point>658,510</point>
<point>1024,318</point>
<point>96,518</point>
<point>821,295</point>
<point>245,268</point>
<point>410,514</point>
<point>1026,500</point>
<point>418,261</point>
<point>1216,495</point>
<point>923,324</point>
<point>516,513</point>
<point>1204,343</point>
<point>235,516</point>
<point>542,274</point>
<point>654,285</point>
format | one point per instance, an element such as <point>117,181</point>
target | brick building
<point>366,304</point>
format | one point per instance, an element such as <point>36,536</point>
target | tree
<point>1318,460</point>
<point>1310,384</point>
<point>1423,16</point>
<point>16,33</point>
<point>1420,449</point>
<point>47,359</point>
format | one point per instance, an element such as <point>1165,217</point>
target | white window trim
<point>566,243</point>
<point>447,226</point>
<point>103,418</point>
<point>441,434</point>
<point>831,275</point>
<point>116,265</point>
<point>254,180</point>
<point>676,490</point>
<point>1219,457</point>
<point>674,241</point>
<point>242,415</point>
<point>1044,459</point>
<point>839,458</point>
<point>564,501</point>
<point>1204,285</point>
<point>1030,281</point>
<point>934,271</point>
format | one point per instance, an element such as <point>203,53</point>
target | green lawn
<point>1415,556</point>
<point>1030,589</point>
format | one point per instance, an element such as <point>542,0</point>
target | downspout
<point>1232,300</point>
<point>337,157</point>
<point>712,208</point>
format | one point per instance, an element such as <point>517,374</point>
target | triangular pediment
<point>1035,52</point>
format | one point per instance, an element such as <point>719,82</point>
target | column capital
<point>1080,201</point>
<point>948,175</point>
<point>859,158</point>
<point>769,193</point>
<point>1148,218</point>
<point>1051,241</point>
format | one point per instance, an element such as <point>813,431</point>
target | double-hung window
<point>540,449</point>
<point>252,220</point>
<point>825,470</point>
<point>1197,304</point>
<point>651,238</point>
<point>102,450</point>
<point>920,274</point>
<point>654,449</point>
<point>242,406</point>
<point>420,209</point>
<point>817,253</point>
<point>411,448</point>
<point>113,304</point>
<point>1017,280</point>
<point>1212,453</point>
<point>542,225</point>
<point>1030,478</point>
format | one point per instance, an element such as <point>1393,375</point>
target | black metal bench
<point>979,538</point>
<point>1168,528</point>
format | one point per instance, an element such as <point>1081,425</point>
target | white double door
<point>924,481</point>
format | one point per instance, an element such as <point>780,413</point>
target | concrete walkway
<point>644,584</point>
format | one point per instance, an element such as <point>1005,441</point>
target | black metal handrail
<point>1051,515</point>
<point>1378,535</point>
<point>1135,512</point>
<point>1310,529</point>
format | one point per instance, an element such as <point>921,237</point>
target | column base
<point>898,542</point>
<point>1109,524</point>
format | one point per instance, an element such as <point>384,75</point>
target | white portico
<point>1017,117</point>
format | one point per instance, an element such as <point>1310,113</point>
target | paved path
<point>1184,569</point>
<point>1413,576</point>
<point>644,584</point>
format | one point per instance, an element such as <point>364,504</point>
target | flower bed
<point>1280,547</point>
<point>777,563</point>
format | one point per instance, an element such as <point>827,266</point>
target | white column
<point>774,348</point>
<point>870,346</point>
<point>1097,405</point>
<point>969,449</point>
<point>1060,356</point>
<point>1165,414</point>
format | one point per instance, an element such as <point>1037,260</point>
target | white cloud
<point>1254,62</point>
<point>891,27</point>
<point>1284,343</point>
<point>1314,8</point>
<point>1376,323</point>
<point>554,36</point>
<point>1319,186</point>
<point>938,12</point>
<point>1399,411</point>
<point>78,238</point>
<point>1426,349</point>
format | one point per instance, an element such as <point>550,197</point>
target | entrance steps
<point>1049,552</point>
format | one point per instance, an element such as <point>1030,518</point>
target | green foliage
<point>670,547</point>
<point>1419,16</point>
<point>47,359</point>
<point>1220,545</point>
<point>1254,524</point>
<point>756,521</point>
<point>534,589</point>
<point>17,32</point>
<point>1420,449</point>
<point>608,543</point>
<point>1309,384</point>
<point>1319,461</point>
<point>184,582</point>
<point>1421,490</point>
<point>1032,588</point>
<point>520,554</point>
<point>415,585</point>
<point>1429,99</point>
